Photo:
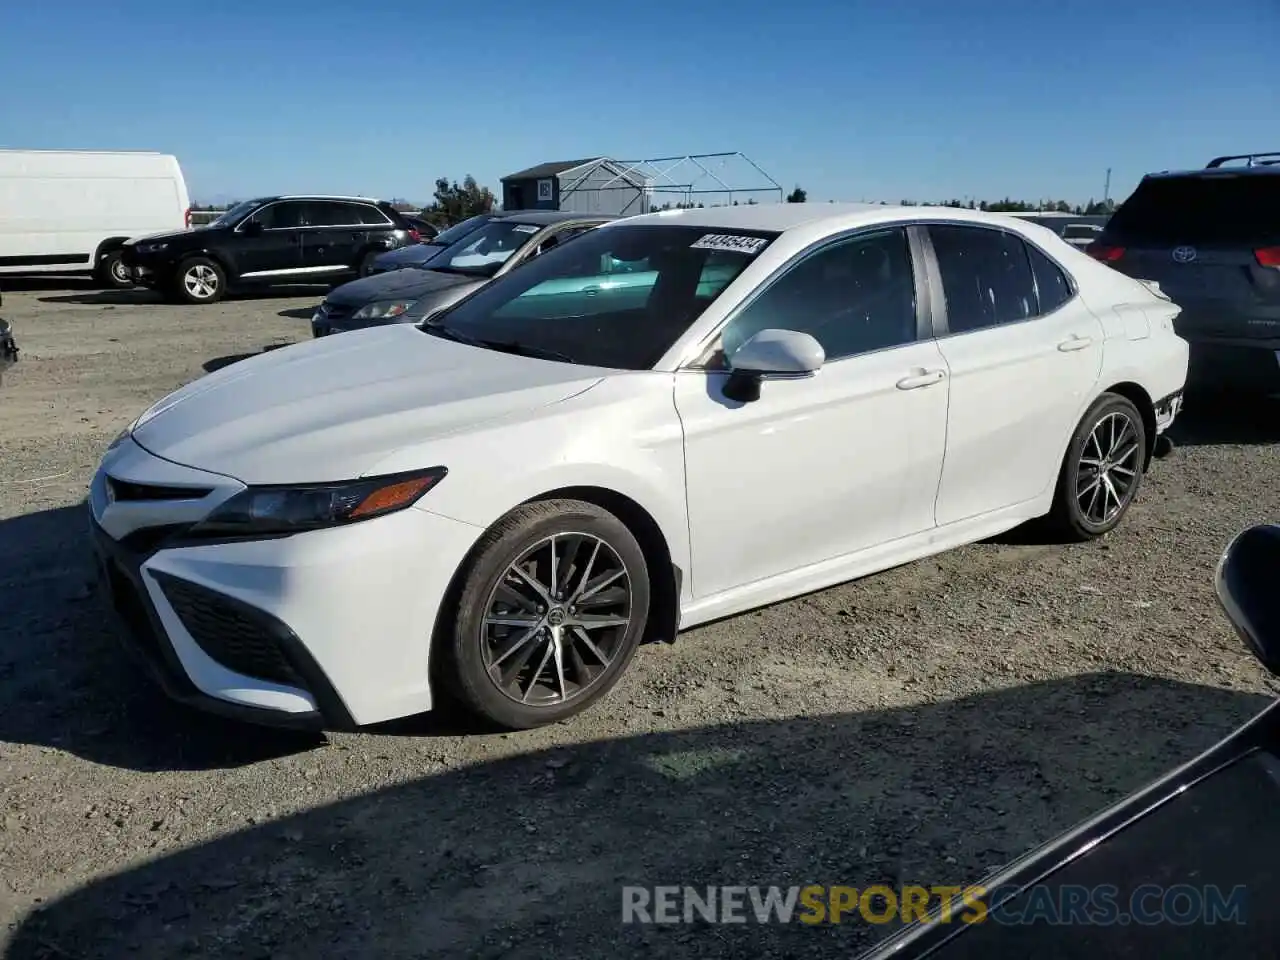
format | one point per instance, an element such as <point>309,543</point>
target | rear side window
<point>1052,286</point>
<point>986,277</point>
<point>1219,209</point>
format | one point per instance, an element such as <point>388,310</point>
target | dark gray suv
<point>1211,239</point>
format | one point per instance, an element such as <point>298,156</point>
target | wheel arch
<point>208,254</point>
<point>106,246</point>
<point>665,576</point>
<point>1136,394</point>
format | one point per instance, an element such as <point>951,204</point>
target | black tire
<point>199,280</point>
<point>111,272</point>
<point>463,646</point>
<point>1078,481</point>
<point>365,267</point>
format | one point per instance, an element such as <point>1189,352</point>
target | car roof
<point>782,217</point>
<point>545,217</point>
<point>324,196</point>
<point>1259,170</point>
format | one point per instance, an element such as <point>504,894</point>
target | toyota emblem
<point>1184,254</point>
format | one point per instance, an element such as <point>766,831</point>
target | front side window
<point>285,215</point>
<point>853,296</point>
<point>618,296</point>
<point>986,277</point>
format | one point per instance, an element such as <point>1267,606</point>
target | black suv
<point>269,240</point>
<point>1211,239</point>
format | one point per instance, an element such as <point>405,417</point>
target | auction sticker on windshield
<point>526,228</point>
<point>729,242</point>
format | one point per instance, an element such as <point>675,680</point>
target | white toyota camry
<point>670,419</point>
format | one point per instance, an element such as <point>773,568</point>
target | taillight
<point>1104,253</point>
<point>1268,257</point>
<point>415,236</point>
<point>186,218</point>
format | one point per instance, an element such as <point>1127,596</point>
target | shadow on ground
<point>65,681</point>
<point>297,313</point>
<point>526,857</point>
<point>1218,419</point>
<point>129,297</point>
<point>217,363</point>
<point>34,283</point>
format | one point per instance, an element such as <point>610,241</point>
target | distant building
<point>593,185</point>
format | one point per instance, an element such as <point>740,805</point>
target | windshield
<point>460,230</point>
<point>482,252</point>
<point>241,209</point>
<point>616,297</point>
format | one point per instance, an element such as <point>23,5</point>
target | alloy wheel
<point>556,619</point>
<point>1107,472</point>
<point>119,272</point>
<point>201,282</point>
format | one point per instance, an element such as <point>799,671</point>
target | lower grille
<point>231,632</point>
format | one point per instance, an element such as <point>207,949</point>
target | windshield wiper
<point>524,350</point>
<point>501,346</point>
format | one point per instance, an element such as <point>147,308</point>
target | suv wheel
<point>111,271</point>
<point>365,267</point>
<point>200,280</point>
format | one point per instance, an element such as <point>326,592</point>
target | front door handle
<point>1075,342</point>
<point>921,378</point>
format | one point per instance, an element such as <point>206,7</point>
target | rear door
<point>1024,354</point>
<point>1209,239</point>
<point>338,233</point>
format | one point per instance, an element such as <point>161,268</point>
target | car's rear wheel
<point>1102,469</point>
<point>551,609</point>
<point>200,280</point>
<point>365,268</point>
<point>110,270</point>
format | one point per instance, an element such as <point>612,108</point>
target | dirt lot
<point>922,725</point>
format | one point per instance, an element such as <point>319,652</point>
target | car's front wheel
<point>110,270</point>
<point>1102,469</point>
<point>200,280</point>
<point>551,609</point>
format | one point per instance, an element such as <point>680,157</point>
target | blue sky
<point>860,99</point>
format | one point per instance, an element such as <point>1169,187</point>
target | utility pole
<point>1106,190</point>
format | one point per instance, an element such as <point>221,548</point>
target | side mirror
<point>1248,584</point>
<point>252,228</point>
<point>771,353</point>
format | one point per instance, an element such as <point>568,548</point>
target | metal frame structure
<point>683,176</point>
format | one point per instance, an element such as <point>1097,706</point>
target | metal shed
<point>593,185</point>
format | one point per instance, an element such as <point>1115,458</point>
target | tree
<point>454,203</point>
<point>797,195</point>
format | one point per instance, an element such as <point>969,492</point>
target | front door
<point>825,466</point>
<point>275,249</point>
<point>1024,355</point>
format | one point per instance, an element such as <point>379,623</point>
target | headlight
<point>383,310</point>
<point>152,247</point>
<point>282,510</point>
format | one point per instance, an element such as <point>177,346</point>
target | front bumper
<point>328,629</point>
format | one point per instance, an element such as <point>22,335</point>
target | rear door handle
<point>921,378</point>
<point>1075,342</point>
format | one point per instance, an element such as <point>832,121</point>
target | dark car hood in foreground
<point>168,235</point>
<point>409,283</point>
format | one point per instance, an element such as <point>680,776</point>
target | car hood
<point>415,254</point>
<point>332,408</point>
<point>410,283</point>
<point>166,235</point>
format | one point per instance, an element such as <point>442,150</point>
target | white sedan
<point>674,418</point>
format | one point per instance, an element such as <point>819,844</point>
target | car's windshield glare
<point>484,251</point>
<point>616,297</point>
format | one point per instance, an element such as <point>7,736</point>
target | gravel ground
<point>923,725</point>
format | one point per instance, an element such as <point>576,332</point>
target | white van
<point>70,211</point>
